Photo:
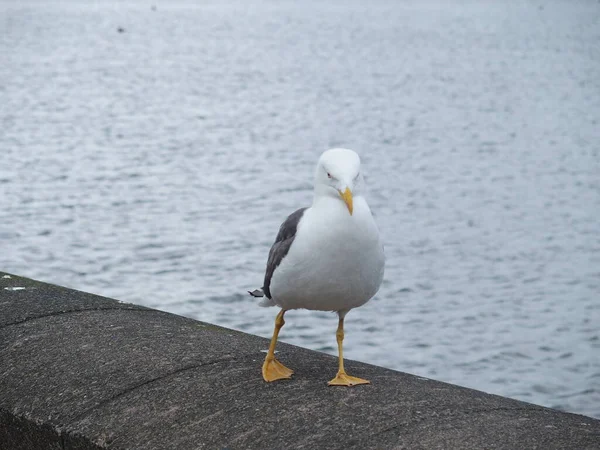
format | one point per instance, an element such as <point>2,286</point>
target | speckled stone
<point>79,371</point>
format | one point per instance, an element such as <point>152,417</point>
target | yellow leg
<point>272,369</point>
<point>343,379</point>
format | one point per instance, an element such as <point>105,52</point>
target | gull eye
<point>329,175</point>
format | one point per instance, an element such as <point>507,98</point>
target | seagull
<point>327,257</point>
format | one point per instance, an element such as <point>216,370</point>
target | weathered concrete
<point>78,371</point>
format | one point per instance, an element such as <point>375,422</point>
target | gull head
<point>338,175</point>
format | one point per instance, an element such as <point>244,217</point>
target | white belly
<point>336,262</point>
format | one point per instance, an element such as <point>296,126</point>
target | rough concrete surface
<point>79,371</point>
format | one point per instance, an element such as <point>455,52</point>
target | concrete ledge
<point>79,371</point>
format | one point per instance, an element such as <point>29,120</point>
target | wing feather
<point>281,246</point>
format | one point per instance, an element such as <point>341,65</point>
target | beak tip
<point>347,197</point>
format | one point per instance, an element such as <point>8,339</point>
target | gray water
<point>155,166</point>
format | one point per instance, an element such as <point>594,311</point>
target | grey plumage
<point>280,248</point>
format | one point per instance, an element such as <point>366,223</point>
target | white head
<point>338,175</point>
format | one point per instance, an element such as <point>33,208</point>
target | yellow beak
<point>347,196</point>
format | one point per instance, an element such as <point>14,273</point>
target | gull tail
<point>266,301</point>
<point>257,293</point>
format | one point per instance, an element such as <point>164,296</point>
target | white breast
<point>336,261</point>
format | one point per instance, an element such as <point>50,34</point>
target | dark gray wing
<point>283,242</point>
